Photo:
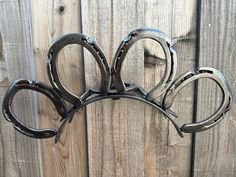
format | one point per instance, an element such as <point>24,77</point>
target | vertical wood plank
<point>184,22</point>
<point>158,15</point>
<point>215,148</point>
<point>20,156</point>
<point>115,128</point>
<point>50,20</point>
<point>166,154</point>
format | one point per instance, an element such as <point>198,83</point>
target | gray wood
<point>166,154</point>
<point>125,137</point>
<point>158,15</point>
<point>51,20</point>
<point>20,156</point>
<point>115,128</point>
<point>215,148</point>
<point>159,141</point>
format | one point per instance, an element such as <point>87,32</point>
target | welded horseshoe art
<point>112,85</point>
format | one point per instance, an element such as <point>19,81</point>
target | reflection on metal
<point>112,85</point>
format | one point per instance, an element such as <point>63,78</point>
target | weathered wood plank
<point>164,148</point>
<point>115,128</point>
<point>50,20</point>
<point>20,156</point>
<point>215,148</point>
<point>152,165</point>
<point>156,126</point>
<point>184,22</point>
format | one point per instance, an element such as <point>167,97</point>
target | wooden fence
<point>118,138</point>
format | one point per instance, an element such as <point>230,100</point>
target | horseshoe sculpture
<point>112,85</point>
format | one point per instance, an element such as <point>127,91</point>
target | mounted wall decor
<point>112,85</point>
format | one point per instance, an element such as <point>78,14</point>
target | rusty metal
<point>112,85</point>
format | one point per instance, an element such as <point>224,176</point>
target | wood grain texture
<point>50,20</point>
<point>215,148</point>
<point>156,126</point>
<point>19,155</point>
<point>166,154</point>
<point>124,137</point>
<point>115,128</point>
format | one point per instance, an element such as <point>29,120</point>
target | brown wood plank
<point>166,153</point>
<point>156,126</point>
<point>157,145</point>
<point>50,20</point>
<point>19,155</point>
<point>215,148</point>
<point>115,128</point>
<point>184,32</point>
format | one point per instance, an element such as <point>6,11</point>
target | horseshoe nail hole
<point>46,134</point>
<point>35,110</point>
<point>84,39</point>
<point>92,70</point>
<point>133,35</point>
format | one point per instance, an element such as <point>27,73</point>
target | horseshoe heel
<point>190,76</point>
<point>39,87</point>
<point>88,43</point>
<point>171,60</point>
